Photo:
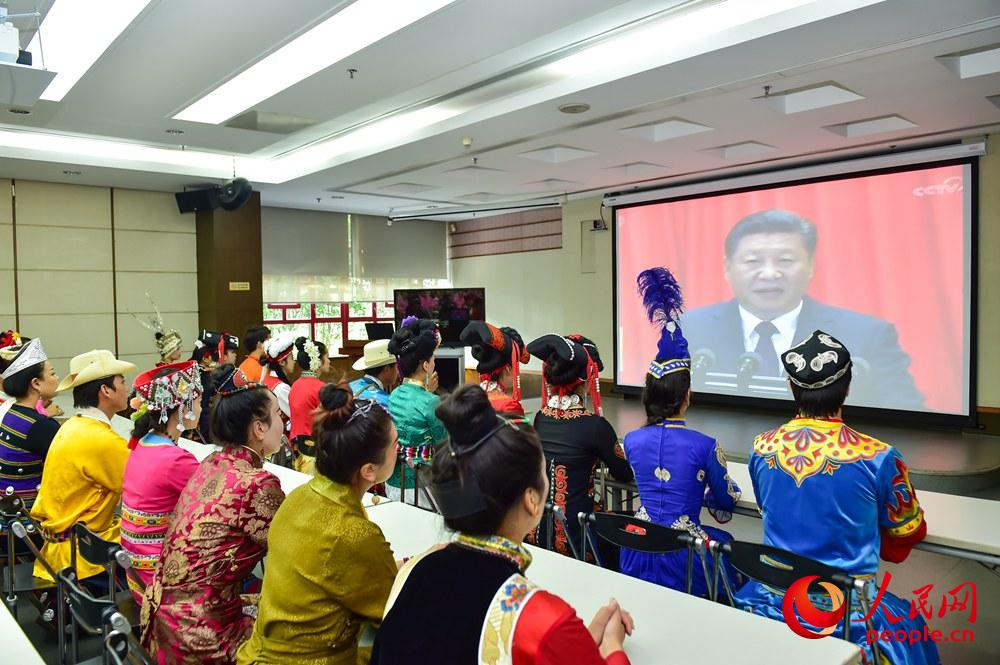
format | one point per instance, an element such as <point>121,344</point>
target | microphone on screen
<point>702,360</point>
<point>746,366</point>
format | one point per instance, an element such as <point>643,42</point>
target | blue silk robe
<point>678,470</point>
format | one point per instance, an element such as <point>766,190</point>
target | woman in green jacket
<point>412,404</point>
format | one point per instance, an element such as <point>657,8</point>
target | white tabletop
<point>952,521</point>
<point>17,648</point>
<point>670,626</point>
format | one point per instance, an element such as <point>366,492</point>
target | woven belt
<point>140,518</point>
<point>53,537</point>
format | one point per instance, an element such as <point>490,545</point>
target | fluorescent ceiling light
<point>888,123</point>
<point>64,148</point>
<point>973,63</point>
<point>671,128</point>
<point>670,39</point>
<point>75,34</point>
<point>813,97</point>
<point>350,30</point>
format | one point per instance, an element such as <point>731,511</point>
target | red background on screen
<point>883,250</point>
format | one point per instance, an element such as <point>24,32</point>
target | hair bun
<point>467,414</point>
<point>336,404</point>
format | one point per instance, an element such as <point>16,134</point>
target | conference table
<point>670,626</point>
<point>15,647</point>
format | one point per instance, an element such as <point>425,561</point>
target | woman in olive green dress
<point>329,568</point>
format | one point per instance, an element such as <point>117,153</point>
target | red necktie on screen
<point>765,349</point>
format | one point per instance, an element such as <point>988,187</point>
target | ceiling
<point>487,80</point>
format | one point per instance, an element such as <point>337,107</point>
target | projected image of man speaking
<point>769,261</point>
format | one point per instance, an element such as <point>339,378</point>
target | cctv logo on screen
<point>952,185</point>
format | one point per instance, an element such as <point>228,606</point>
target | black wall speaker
<point>197,200</point>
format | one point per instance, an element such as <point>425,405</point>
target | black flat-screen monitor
<point>379,331</point>
<point>452,308</point>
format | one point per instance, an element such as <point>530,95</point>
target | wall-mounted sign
<point>239,286</point>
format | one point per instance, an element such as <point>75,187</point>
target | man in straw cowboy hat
<point>381,374</point>
<point>82,478</point>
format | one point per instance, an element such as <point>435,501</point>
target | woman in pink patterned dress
<point>193,611</point>
<point>167,402</point>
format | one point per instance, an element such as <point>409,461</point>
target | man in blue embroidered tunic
<point>835,495</point>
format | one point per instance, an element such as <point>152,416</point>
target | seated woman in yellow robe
<point>329,569</point>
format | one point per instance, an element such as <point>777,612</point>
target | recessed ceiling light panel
<point>969,64</point>
<point>813,97</point>
<point>745,150</point>
<point>882,125</point>
<point>556,154</point>
<point>664,130</point>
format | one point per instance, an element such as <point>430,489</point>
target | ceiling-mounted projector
<point>230,195</point>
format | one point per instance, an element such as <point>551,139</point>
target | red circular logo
<point>797,601</point>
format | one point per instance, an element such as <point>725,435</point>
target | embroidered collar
<point>244,453</point>
<point>306,373</point>
<point>798,420</point>
<point>414,382</point>
<point>498,546</point>
<point>375,381</point>
<point>667,422</point>
<point>94,413</point>
<point>154,439</point>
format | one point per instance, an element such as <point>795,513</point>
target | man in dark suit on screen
<point>769,264</point>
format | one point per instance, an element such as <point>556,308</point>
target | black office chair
<point>99,615</point>
<point>779,569</point>
<point>546,532</point>
<point>640,535</point>
<point>99,552</point>
<point>417,469</point>
<point>18,575</point>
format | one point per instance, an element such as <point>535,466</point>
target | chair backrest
<point>96,550</point>
<point>777,567</point>
<point>637,534</point>
<point>11,505</point>
<point>93,613</point>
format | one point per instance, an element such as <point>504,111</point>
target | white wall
<point>562,291</point>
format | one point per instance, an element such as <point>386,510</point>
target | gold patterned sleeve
<point>264,498</point>
<point>365,567</point>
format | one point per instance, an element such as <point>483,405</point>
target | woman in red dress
<point>194,610</point>
<point>500,352</point>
